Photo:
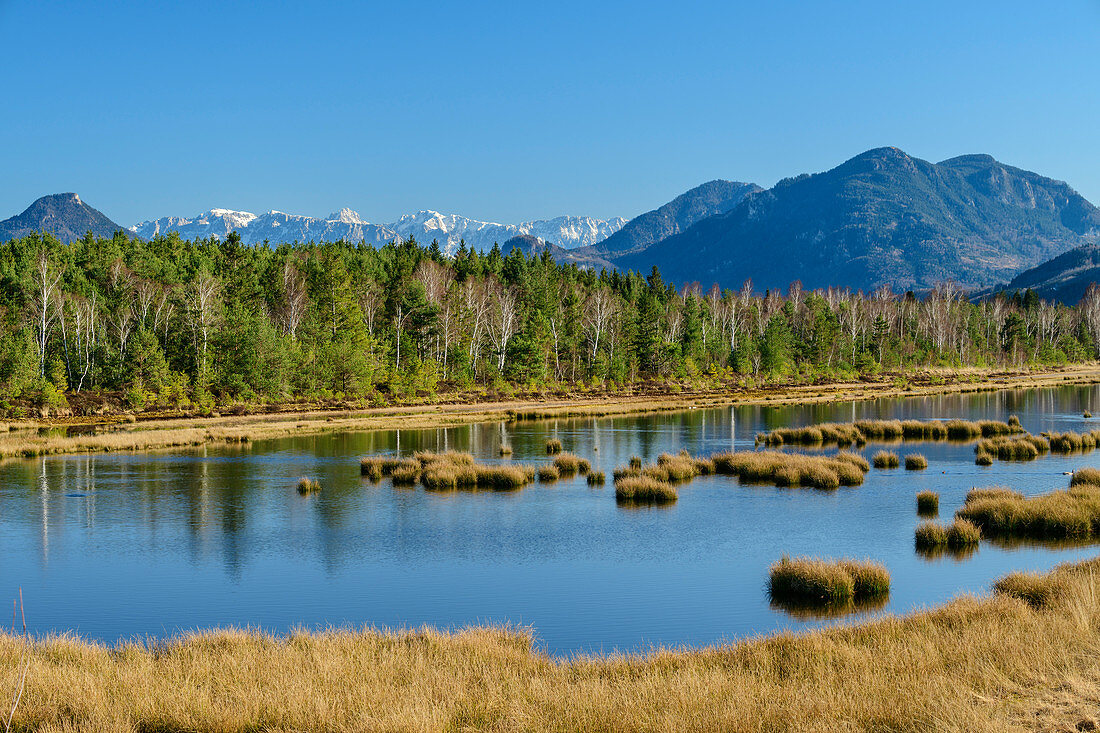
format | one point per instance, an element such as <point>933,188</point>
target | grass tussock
<point>1039,590</point>
<point>596,478</point>
<point>548,474</point>
<point>958,535</point>
<point>789,469</point>
<point>569,464</point>
<point>998,663</point>
<point>553,446</point>
<point>308,486</point>
<point>1015,448</point>
<point>928,502</point>
<point>1090,476</point>
<point>862,431</point>
<point>1065,514</point>
<point>644,490</point>
<point>811,580</point>
<point>1071,442</point>
<point>915,462</point>
<point>447,471</point>
<point>886,459</point>
<point>505,450</point>
<point>983,459</point>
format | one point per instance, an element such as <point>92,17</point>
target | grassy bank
<point>1022,659</point>
<point>172,431</point>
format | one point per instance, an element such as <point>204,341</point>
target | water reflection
<point>114,545</point>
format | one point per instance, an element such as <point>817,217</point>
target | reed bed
<point>447,471</point>
<point>811,580</point>
<point>1071,442</point>
<point>308,486</point>
<point>915,462</point>
<point>1089,476</point>
<point>569,464</point>
<point>553,446</point>
<point>1072,513</point>
<point>862,431</point>
<point>596,478</point>
<point>644,490</point>
<point>928,502</point>
<point>958,535</point>
<point>789,469</point>
<point>885,459</point>
<point>548,474</point>
<point>997,663</point>
<point>1016,448</point>
<point>983,459</point>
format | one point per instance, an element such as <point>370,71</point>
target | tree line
<point>176,323</point>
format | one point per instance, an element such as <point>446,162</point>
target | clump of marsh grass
<point>451,470</point>
<point>915,462</point>
<point>1086,414</point>
<point>789,469</point>
<point>505,450</point>
<point>548,474</point>
<point>1017,448</point>
<point>1090,476</point>
<point>959,534</point>
<point>1014,423</point>
<point>569,464</point>
<point>1035,589</point>
<point>596,478</point>
<point>644,490</point>
<point>1065,514</point>
<point>635,462</point>
<point>855,459</point>
<point>1071,442</point>
<point>553,446</point>
<point>886,459</point>
<point>308,486</point>
<point>406,473</point>
<point>983,459</point>
<point>375,467</point>
<point>842,434</point>
<point>928,502</point>
<point>812,580</point>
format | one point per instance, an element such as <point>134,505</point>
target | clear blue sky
<point>512,111</point>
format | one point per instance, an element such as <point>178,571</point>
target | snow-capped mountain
<point>449,229</point>
<point>274,227</point>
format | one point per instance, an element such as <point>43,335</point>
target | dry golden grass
<point>1069,514</point>
<point>790,469</point>
<point>993,664</point>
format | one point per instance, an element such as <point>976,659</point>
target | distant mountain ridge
<point>882,217</point>
<point>713,197</point>
<point>63,215</point>
<point>1064,278</point>
<point>564,231</point>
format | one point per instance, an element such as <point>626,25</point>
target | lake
<point>122,545</point>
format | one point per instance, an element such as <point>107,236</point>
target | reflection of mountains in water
<point>801,611</point>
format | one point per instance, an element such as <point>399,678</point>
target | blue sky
<point>513,111</point>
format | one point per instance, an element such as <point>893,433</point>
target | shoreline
<point>26,438</point>
<point>1011,660</point>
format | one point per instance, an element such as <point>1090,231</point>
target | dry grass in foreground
<point>1023,659</point>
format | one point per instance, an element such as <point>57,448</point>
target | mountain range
<point>449,229</point>
<point>880,218</point>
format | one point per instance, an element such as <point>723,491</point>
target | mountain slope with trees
<point>63,215</point>
<point>882,217</point>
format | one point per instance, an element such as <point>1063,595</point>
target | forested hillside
<point>174,324</point>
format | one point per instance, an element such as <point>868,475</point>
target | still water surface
<point>149,544</point>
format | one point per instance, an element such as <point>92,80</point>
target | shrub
<point>915,462</point>
<point>644,490</point>
<point>886,459</point>
<point>928,502</point>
